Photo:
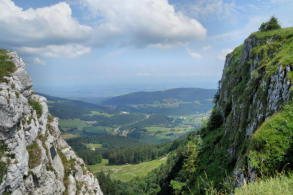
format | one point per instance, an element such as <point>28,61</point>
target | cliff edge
<point>34,159</point>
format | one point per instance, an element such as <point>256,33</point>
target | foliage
<point>216,119</point>
<point>35,155</point>
<point>37,107</point>
<point>119,150</point>
<point>279,185</point>
<point>270,25</point>
<point>271,145</point>
<point>6,65</point>
<point>3,166</point>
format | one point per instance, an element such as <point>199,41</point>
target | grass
<point>99,130</point>
<point>72,123</point>
<point>279,185</point>
<point>93,146</point>
<point>127,172</point>
<point>3,166</point>
<point>271,145</point>
<point>68,169</point>
<point>6,65</point>
<point>35,155</point>
<point>37,107</point>
<point>97,113</point>
<point>69,135</point>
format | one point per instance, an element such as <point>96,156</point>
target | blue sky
<point>109,47</point>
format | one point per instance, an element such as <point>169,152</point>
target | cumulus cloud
<point>146,22</point>
<point>39,27</point>
<point>52,31</point>
<point>69,51</point>
<point>193,54</point>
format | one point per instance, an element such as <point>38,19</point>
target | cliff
<point>256,84</point>
<point>34,158</point>
<point>250,131</point>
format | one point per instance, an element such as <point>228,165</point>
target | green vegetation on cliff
<point>279,185</point>
<point>6,65</point>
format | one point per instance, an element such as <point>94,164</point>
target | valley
<point>130,135</point>
<point>165,116</point>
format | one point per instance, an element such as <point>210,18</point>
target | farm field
<point>128,171</point>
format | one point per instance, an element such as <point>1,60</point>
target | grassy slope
<point>279,185</point>
<point>127,172</point>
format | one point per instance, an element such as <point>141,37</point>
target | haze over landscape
<point>106,48</point>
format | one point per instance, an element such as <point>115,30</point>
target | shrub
<point>270,25</point>
<point>6,65</point>
<point>37,107</point>
<point>35,155</point>
<point>216,119</point>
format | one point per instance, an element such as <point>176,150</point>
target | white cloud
<point>193,54</point>
<point>37,60</point>
<point>223,53</point>
<point>53,32</point>
<point>145,22</point>
<point>219,8</point>
<point>39,27</point>
<point>69,51</point>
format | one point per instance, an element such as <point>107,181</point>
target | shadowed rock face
<point>34,158</point>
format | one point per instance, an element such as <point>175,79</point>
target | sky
<point>98,48</point>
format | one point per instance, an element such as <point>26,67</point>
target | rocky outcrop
<point>34,158</point>
<point>254,86</point>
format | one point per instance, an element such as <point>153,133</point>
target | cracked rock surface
<point>35,158</point>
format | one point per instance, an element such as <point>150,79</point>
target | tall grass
<point>279,185</point>
<point>6,65</point>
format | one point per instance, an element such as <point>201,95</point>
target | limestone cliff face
<point>255,84</point>
<point>34,158</point>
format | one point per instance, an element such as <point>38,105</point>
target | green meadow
<point>128,171</point>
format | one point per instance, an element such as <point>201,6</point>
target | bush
<point>270,25</point>
<point>6,65</point>
<point>37,107</point>
<point>35,155</point>
<point>216,119</point>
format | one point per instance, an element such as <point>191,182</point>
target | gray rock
<point>20,127</point>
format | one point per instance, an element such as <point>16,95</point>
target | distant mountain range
<point>179,101</point>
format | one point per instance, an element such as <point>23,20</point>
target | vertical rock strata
<point>34,157</point>
<point>255,85</point>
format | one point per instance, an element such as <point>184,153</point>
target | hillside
<point>249,135</point>
<point>34,159</point>
<point>66,108</point>
<point>179,101</point>
<point>78,118</point>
